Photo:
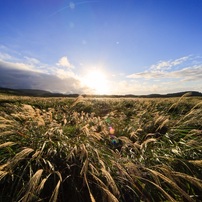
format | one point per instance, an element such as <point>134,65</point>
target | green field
<point>60,149</point>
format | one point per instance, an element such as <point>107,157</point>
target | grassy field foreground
<point>59,149</point>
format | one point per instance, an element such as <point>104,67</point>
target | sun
<point>96,80</point>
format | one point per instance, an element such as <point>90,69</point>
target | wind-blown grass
<point>59,149</point>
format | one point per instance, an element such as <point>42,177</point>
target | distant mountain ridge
<point>179,94</point>
<point>29,92</point>
<point>44,93</point>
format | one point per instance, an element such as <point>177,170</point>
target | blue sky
<point>101,46</point>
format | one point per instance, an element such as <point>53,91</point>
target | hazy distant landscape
<point>36,92</point>
<point>100,149</point>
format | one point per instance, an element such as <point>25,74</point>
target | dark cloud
<point>25,79</point>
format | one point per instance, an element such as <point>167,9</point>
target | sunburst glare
<point>97,81</point>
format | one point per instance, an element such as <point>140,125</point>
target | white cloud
<point>30,73</point>
<point>167,69</point>
<point>166,65</point>
<point>65,74</point>
<point>147,75</point>
<point>177,75</point>
<point>188,73</point>
<point>64,62</point>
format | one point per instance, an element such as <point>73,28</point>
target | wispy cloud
<point>185,74</point>
<point>166,65</point>
<point>181,74</point>
<point>167,69</point>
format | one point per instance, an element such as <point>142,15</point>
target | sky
<point>101,46</point>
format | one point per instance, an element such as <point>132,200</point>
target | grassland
<point>60,149</point>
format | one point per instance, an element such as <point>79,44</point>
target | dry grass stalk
<point>184,117</point>
<point>96,135</point>
<point>110,181</point>
<point>93,169</point>
<point>195,181</point>
<point>4,125</point>
<point>196,162</point>
<point>77,100</point>
<point>4,120</point>
<point>99,159</point>
<point>172,183</point>
<point>72,153</point>
<point>122,171</point>
<point>86,130</point>
<point>125,140</point>
<point>32,186</point>
<point>54,195</point>
<point>36,154</point>
<point>110,196</point>
<point>102,163</point>
<point>192,143</point>
<point>7,144</point>
<point>50,165</point>
<point>5,133</point>
<point>175,104</point>
<point>3,174</point>
<point>132,169</point>
<point>90,193</point>
<point>84,152</point>
<point>159,120</point>
<point>166,171</point>
<point>84,167</point>
<point>162,124</point>
<point>136,146</point>
<point>41,185</point>
<point>170,198</point>
<point>144,144</point>
<point>101,184</point>
<point>19,156</point>
<point>3,166</point>
<point>99,181</point>
<point>133,135</point>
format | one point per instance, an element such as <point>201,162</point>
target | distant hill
<point>43,93</point>
<point>179,94</point>
<point>32,92</point>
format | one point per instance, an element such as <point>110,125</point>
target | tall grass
<point>60,149</point>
